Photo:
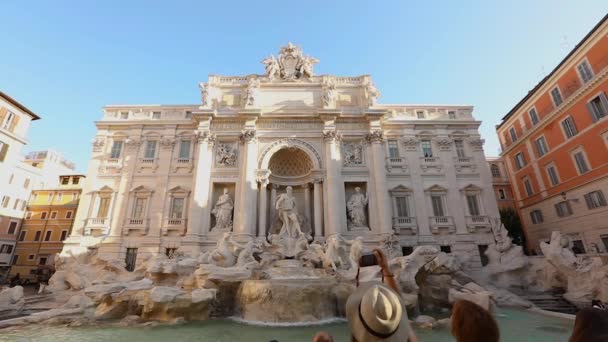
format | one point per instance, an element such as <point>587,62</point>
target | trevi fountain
<point>199,223</point>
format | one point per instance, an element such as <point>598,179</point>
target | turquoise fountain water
<point>515,325</point>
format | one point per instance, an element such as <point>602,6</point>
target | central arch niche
<point>289,165</point>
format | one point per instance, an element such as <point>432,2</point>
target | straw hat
<point>375,313</point>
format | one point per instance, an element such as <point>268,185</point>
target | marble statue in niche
<point>356,209</point>
<point>353,154</point>
<point>288,214</point>
<point>225,155</point>
<point>223,211</point>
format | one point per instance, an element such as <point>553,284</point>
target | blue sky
<point>67,59</point>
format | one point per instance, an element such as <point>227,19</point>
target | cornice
<point>569,102</point>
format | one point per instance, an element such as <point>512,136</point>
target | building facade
<point>178,177</point>
<point>501,183</point>
<point>16,179</point>
<point>48,222</point>
<point>555,147</point>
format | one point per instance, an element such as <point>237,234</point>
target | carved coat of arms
<point>291,65</point>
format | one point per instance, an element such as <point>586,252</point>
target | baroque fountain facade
<point>258,202</point>
<point>165,179</point>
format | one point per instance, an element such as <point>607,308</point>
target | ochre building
<point>555,147</point>
<point>48,222</point>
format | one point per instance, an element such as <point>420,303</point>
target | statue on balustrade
<point>356,209</point>
<point>223,211</point>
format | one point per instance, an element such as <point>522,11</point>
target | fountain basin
<point>287,300</point>
<point>515,325</point>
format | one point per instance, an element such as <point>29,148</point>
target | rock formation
<point>586,277</point>
<point>507,264</point>
<point>254,280</point>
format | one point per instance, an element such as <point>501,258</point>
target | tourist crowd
<point>376,313</point>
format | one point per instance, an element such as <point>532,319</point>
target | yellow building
<point>48,222</point>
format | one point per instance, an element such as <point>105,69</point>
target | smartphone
<point>368,260</point>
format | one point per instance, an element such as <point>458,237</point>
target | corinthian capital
<point>247,135</point>
<point>132,144</point>
<point>375,137</point>
<point>205,136</point>
<point>331,135</point>
<point>98,144</point>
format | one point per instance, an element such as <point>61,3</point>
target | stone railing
<point>463,160</point>
<point>147,160</point>
<point>183,160</point>
<point>429,160</point>
<point>442,222</point>
<point>136,224</point>
<point>405,225</point>
<point>395,162</point>
<point>178,225</point>
<point>97,221</point>
<point>478,223</point>
<point>96,226</point>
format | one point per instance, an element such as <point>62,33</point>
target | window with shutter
<point>138,208</point>
<point>581,162</point>
<point>3,150</point>
<point>459,144</point>
<point>150,152</point>
<point>533,116</point>
<point>14,124</point>
<point>595,199</point>
<point>427,149</point>
<point>541,146</point>
<point>584,70</point>
<point>402,210</point>
<point>184,149</point>
<point>393,149</point>
<point>556,95</point>
<point>104,206</point>
<point>473,205</point>
<point>563,209</point>
<point>598,107</point>
<point>116,150</point>
<point>569,127</point>
<point>552,173</point>
<point>437,203</point>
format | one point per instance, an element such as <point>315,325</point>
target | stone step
<point>550,301</point>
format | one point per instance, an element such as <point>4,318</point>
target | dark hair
<point>472,323</point>
<point>591,325</point>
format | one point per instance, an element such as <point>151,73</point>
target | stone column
<point>198,218</point>
<point>318,209</point>
<point>335,184</point>
<point>263,208</point>
<point>121,196</point>
<point>307,201</point>
<point>245,218</point>
<point>383,204</point>
<point>273,200</point>
<point>87,200</point>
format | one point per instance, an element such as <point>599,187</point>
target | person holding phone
<point>375,311</point>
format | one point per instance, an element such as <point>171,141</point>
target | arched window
<point>495,170</point>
